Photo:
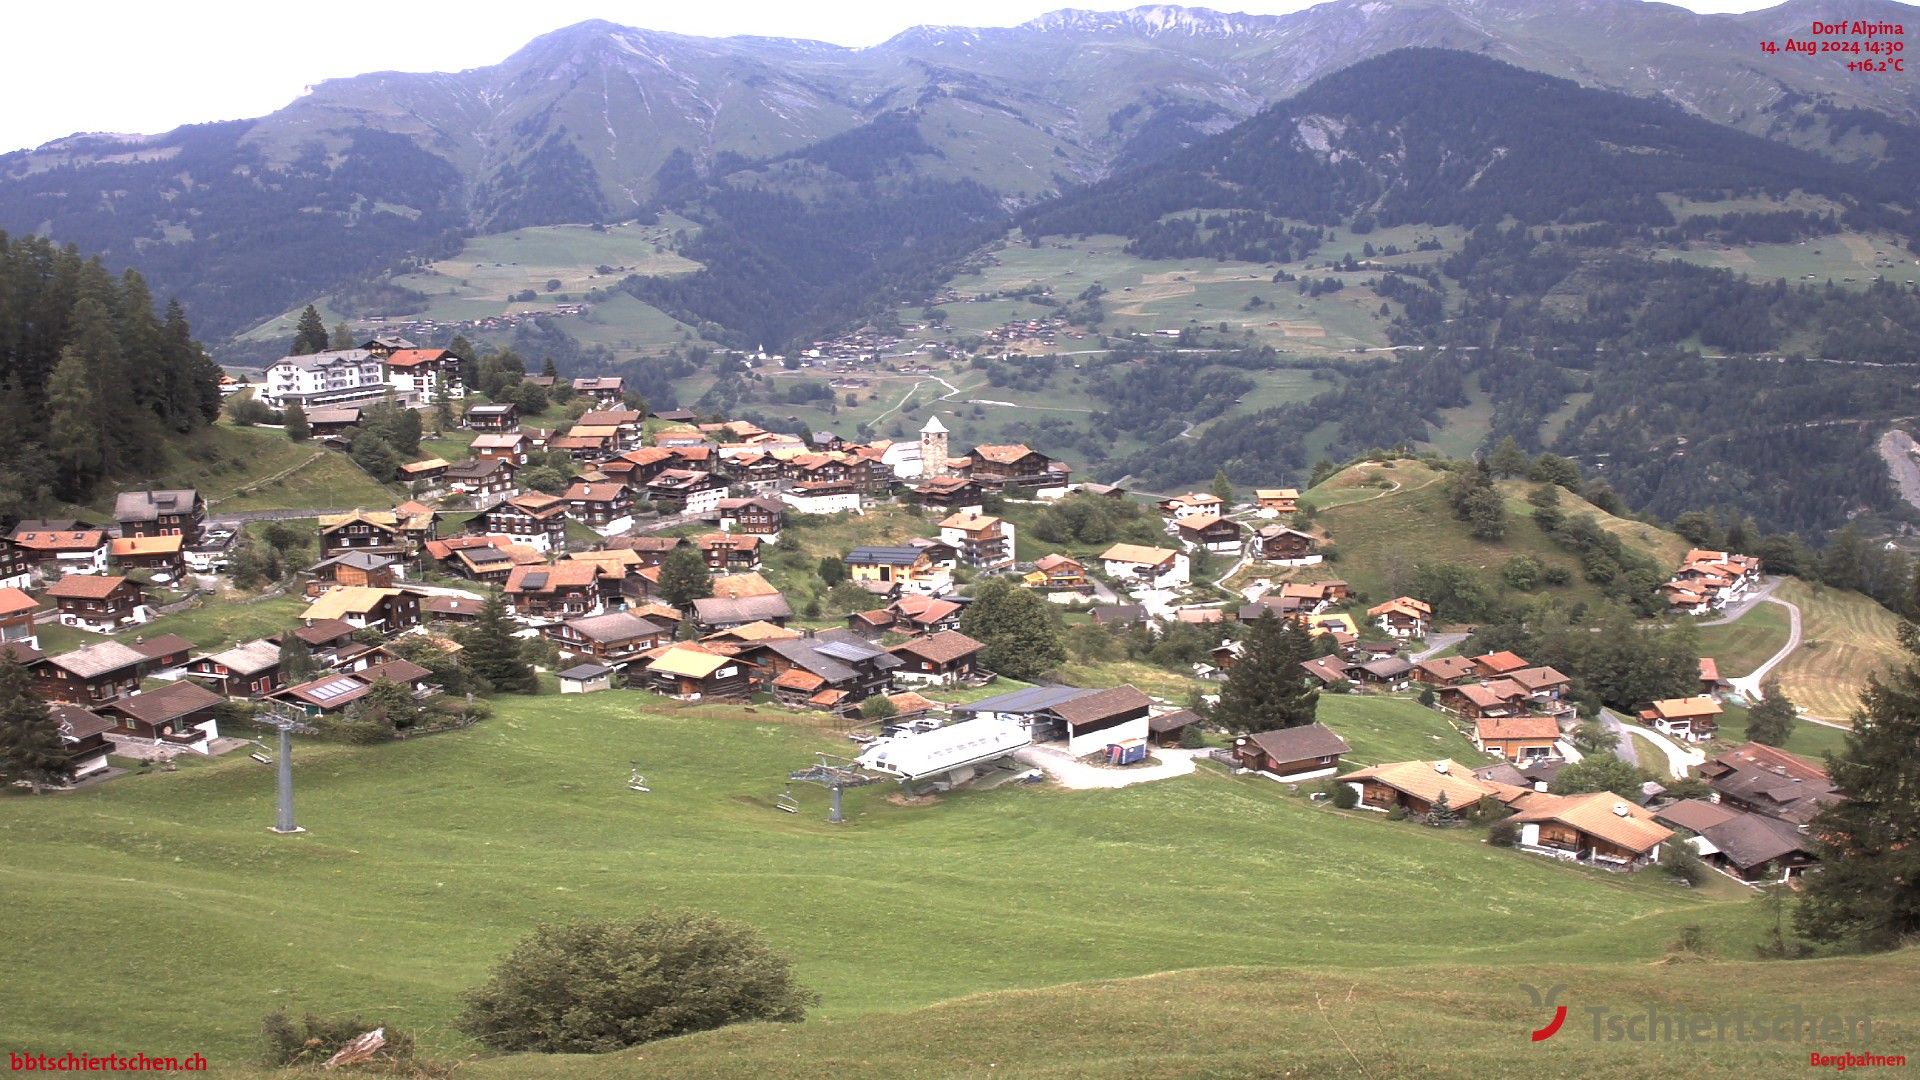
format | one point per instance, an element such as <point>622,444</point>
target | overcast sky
<point>116,65</point>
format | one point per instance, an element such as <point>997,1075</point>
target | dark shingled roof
<point>1750,840</point>
<point>170,702</point>
<point>1102,705</point>
<point>1300,743</point>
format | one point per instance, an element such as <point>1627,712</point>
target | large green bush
<point>592,987</point>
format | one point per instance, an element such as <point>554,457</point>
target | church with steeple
<point>933,448</point>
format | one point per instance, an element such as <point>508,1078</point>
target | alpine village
<point>967,681</point>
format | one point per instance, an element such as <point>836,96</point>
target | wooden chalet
<point>178,714</point>
<point>83,738</point>
<point>1599,828</point>
<point>1137,566</point>
<point>1692,719</point>
<point>1414,786</point>
<point>374,532</point>
<point>1057,572</point>
<point>1403,617</point>
<point>1279,544</point>
<point>998,468</point>
<point>90,676</point>
<point>1766,780</point>
<point>425,475</point>
<point>535,519</point>
<point>61,547</point>
<point>606,507</point>
<point>495,418</point>
<point>354,568</point>
<point>1210,532</point>
<point>1445,671</point>
<point>1291,754</point>
<point>953,494</point>
<point>946,657</point>
<point>1753,848</point>
<point>909,568</point>
<point>102,604</point>
<point>606,392</point>
<point>1278,500</point>
<point>834,670</point>
<point>390,611</point>
<point>685,491</point>
<point>165,557</point>
<point>18,612</point>
<point>328,694</point>
<point>729,553</point>
<point>759,517</point>
<point>1518,738</point>
<point>483,480</point>
<point>333,422</point>
<point>510,447</point>
<point>1480,700</point>
<point>562,590</point>
<point>162,651</point>
<point>615,639</point>
<point>177,512</point>
<point>1192,504</point>
<point>250,669</point>
<point>693,672</point>
<point>982,541</point>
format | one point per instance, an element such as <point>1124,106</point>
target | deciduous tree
<point>1017,629</point>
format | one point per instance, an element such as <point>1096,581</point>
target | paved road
<point>1623,747</point>
<point>1749,685</point>
<point>242,517</point>
<point>1065,770</point>
<point>1735,611</point>
<point>1436,644</point>
<point>1679,759</point>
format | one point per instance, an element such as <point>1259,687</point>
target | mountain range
<point>599,122</point>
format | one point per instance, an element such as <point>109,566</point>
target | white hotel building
<point>323,378</point>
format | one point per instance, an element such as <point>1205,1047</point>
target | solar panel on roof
<point>535,581</point>
<point>333,688</point>
<point>847,650</point>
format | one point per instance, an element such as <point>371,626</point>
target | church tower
<point>933,448</point>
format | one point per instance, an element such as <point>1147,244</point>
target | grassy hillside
<point>1749,641</point>
<point>426,859</point>
<point>256,469</point>
<point>1387,516</point>
<point>483,279</point>
<point>1844,637</point>
<point>1390,1021</point>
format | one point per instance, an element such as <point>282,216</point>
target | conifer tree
<point>1772,720</point>
<point>492,653</point>
<point>73,433</point>
<point>1868,885</point>
<point>1266,688</point>
<point>1509,460</point>
<point>342,337</point>
<point>1222,489</point>
<point>30,744</point>
<point>310,336</point>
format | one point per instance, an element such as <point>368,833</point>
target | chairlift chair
<point>636,782</point>
<point>786,803</point>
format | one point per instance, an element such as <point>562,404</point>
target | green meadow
<point>165,915</point>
